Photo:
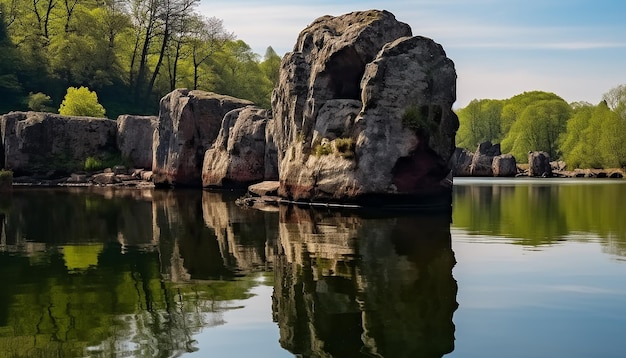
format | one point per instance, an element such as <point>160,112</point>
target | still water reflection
<point>540,272</point>
<point>132,273</point>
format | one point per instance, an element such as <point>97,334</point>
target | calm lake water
<point>527,268</point>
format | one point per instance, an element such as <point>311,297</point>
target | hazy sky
<point>574,48</point>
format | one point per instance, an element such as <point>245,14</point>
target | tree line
<point>130,52</point>
<point>580,133</point>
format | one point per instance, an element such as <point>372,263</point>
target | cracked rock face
<point>363,109</point>
<point>241,154</point>
<point>189,122</point>
<point>39,143</point>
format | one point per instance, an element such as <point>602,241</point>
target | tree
<point>537,128</point>
<point>39,102</point>
<point>239,75</point>
<point>612,134</point>
<point>10,87</point>
<point>576,142</point>
<point>206,37</point>
<point>479,122</point>
<point>81,102</point>
<point>271,65</point>
<point>615,99</point>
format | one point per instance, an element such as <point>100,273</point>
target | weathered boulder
<point>105,179</point>
<point>37,142</point>
<point>362,110</point>
<point>504,166</point>
<point>482,161</point>
<point>188,124</point>
<point>539,164</point>
<point>237,158</point>
<point>134,139</point>
<point>265,188</point>
<point>462,162</point>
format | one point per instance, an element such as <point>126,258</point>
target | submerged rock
<point>363,112</point>
<point>188,124</point>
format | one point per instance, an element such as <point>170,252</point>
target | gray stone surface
<point>504,166</point>
<point>539,164</point>
<point>134,139</point>
<point>362,108</point>
<point>188,124</point>
<point>38,142</point>
<point>237,158</point>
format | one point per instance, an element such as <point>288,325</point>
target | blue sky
<point>575,48</point>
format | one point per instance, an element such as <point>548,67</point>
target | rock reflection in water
<point>378,286</point>
<point>128,273</point>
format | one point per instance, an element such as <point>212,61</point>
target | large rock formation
<point>482,161</point>
<point>488,161</point>
<point>504,165</point>
<point>362,111</point>
<point>37,142</point>
<point>134,139</point>
<point>539,164</point>
<point>189,122</point>
<point>238,156</point>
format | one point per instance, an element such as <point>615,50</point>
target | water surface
<point>527,268</point>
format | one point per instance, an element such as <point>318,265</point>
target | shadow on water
<point>141,273</point>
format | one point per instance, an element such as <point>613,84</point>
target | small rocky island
<point>362,115</point>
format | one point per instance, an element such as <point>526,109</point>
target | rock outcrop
<point>37,142</point>
<point>238,156</point>
<point>462,162</point>
<point>539,164</point>
<point>363,111</point>
<point>504,166</point>
<point>189,122</point>
<point>134,139</point>
<point>488,161</point>
<point>482,160</point>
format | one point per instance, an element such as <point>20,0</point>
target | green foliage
<point>595,138</point>
<point>417,119</point>
<point>131,53</point>
<point>6,179</point>
<point>239,74</point>
<point>575,147</point>
<point>480,122</point>
<point>81,102</point>
<point>531,214</point>
<point>345,147</point>
<point>93,164</point>
<point>323,149</point>
<point>10,86</point>
<point>537,127</point>
<point>581,134</point>
<point>271,65</point>
<point>39,102</point>
<point>108,160</point>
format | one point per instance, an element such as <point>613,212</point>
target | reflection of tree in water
<point>353,286</point>
<point>545,212</point>
<point>147,293</point>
